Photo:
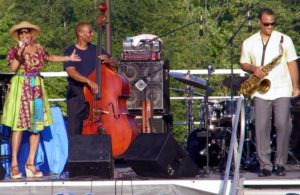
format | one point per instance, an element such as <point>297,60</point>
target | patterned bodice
<point>33,62</point>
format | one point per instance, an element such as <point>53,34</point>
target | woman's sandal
<point>15,173</point>
<point>32,173</point>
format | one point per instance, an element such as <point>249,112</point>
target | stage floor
<point>125,182</point>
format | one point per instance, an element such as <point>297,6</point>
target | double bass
<point>108,113</point>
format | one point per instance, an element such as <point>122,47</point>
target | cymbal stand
<point>210,70</point>
<point>189,118</point>
<point>249,156</point>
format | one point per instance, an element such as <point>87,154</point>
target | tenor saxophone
<point>262,85</point>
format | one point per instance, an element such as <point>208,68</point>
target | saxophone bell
<point>264,86</point>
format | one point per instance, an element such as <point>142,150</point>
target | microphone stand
<point>150,41</point>
<point>230,43</point>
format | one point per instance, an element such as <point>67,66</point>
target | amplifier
<point>132,55</point>
<point>148,80</point>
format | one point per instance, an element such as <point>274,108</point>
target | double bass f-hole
<point>113,109</point>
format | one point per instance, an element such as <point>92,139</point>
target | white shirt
<point>252,53</point>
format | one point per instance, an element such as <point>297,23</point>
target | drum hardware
<point>189,117</point>
<point>249,157</point>
<point>210,70</point>
<point>189,92</point>
<point>293,156</point>
<point>214,115</point>
<point>224,141</point>
<point>217,147</point>
<point>290,152</point>
<point>198,82</point>
<point>228,108</point>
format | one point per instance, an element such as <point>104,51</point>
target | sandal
<point>32,172</point>
<point>15,173</point>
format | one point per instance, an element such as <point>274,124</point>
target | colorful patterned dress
<point>26,105</point>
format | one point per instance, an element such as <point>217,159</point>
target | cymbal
<point>236,82</point>
<point>191,80</point>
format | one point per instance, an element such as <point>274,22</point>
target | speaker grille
<point>147,80</point>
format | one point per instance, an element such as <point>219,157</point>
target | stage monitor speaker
<point>160,123</point>
<point>159,155</point>
<point>149,79</point>
<point>90,155</point>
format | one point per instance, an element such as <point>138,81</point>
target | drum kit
<point>208,144</point>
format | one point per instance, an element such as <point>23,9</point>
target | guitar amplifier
<point>131,55</point>
<point>148,80</point>
<point>146,50</point>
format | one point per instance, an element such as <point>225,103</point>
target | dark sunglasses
<point>24,30</point>
<point>269,24</point>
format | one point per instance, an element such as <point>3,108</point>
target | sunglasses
<point>269,24</point>
<point>24,30</point>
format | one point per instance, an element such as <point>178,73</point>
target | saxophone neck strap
<point>265,47</point>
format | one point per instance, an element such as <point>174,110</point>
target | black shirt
<point>87,63</point>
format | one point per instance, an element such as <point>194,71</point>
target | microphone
<point>249,21</point>
<point>201,31</point>
<point>210,68</point>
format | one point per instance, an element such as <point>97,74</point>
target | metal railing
<point>235,150</point>
<point>194,72</point>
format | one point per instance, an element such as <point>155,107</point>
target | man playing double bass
<point>78,72</point>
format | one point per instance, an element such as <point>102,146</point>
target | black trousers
<point>77,109</point>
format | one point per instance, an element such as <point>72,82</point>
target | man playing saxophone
<point>264,48</point>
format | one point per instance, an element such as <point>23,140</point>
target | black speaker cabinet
<point>160,122</point>
<point>90,155</point>
<point>159,155</point>
<point>149,79</point>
